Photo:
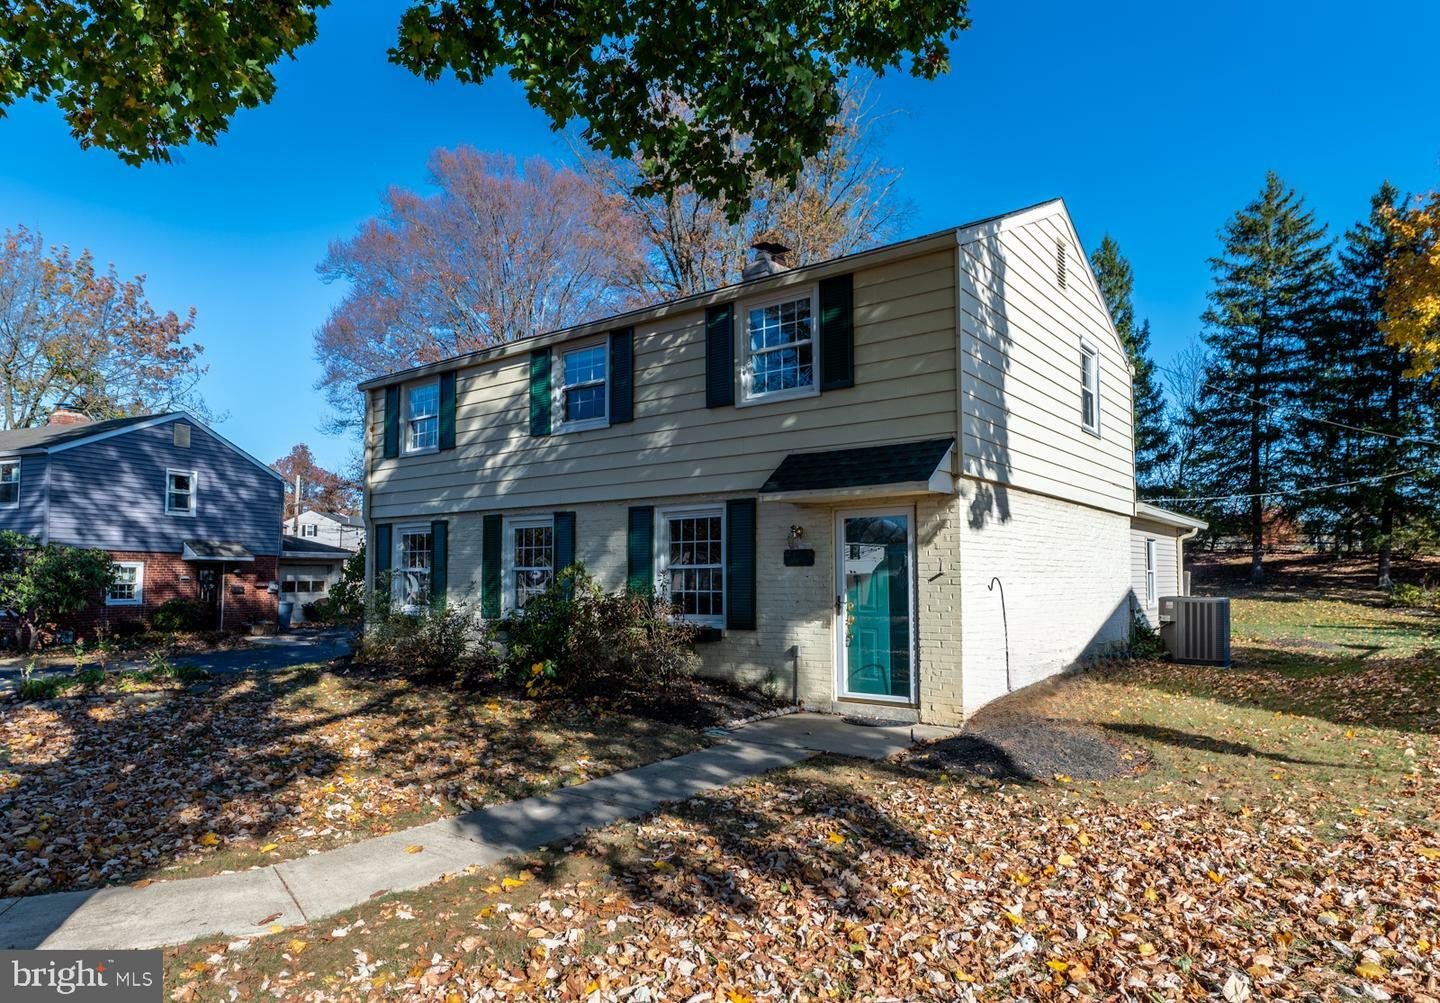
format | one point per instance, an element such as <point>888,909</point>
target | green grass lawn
<point>1274,838</point>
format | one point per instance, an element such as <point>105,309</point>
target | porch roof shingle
<point>864,466</point>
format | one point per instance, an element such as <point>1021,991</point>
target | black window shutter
<point>564,540</point>
<point>740,564</point>
<point>837,332</point>
<point>719,356</point>
<point>392,423</point>
<point>447,410</point>
<point>384,550</point>
<point>622,375</point>
<point>490,552</point>
<point>540,392</point>
<point>640,550</point>
<point>439,563</point>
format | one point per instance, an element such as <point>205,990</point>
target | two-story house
<point>337,530</point>
<point>897,483</point>
<point>183,512</point>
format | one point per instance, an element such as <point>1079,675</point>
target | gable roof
<point>54,438</point>
<point>803,274</point>
<point>294,546</point>
<point>340,517</point>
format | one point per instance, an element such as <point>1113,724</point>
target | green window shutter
<point>564,540</point>
<point>392,423</point>
<point>837,332</point>
<point>622,375</point>
<point>640,550</point>
<point>447,410</point>
<point>384,544</point>
<point>540,392</point>
<point>491,544</point>
<point>740,564</point>
<point>719,356</point>
<point>439,563</point>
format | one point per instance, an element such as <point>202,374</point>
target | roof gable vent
<point>1060,263</point>
<point>182,435</point>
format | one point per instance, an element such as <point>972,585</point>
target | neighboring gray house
<point>183,511</point>
<point>308,569</point>
<point>333,529</point>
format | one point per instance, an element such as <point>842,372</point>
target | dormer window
<point>422,417</point>
<point>779,348</point>
<point>179,492</point>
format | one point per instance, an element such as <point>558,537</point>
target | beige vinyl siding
<point>905,388</point>
<point>1020,361</point>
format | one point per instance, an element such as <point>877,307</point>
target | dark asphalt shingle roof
<point>294,544</point>
<point>217,550</point>
<point>860,467</point>
<point>47,436</point>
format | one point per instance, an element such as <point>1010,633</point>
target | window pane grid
<point>179,492</point>
<point>582,384</point>
<point>534,561</point>
<point>780,337</point>
<point>415,568</point>
<point>125,586</point>
<point>10,482</point>
<point>423,422</point>
<point>696,572</point>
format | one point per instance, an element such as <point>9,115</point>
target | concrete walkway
<point>246,903</point>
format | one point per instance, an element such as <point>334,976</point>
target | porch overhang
<point>215,550</point>
<point>840,475</point>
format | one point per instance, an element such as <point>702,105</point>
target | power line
<point>1297,491</point>
<point>1324,421</point>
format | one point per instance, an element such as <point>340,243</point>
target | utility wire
<point>1297,491</point>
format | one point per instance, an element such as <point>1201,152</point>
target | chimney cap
<point>770,247</point>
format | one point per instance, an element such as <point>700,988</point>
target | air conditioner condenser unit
<point>1196,629</point>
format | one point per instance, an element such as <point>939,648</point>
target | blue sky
<point>1154,121</point>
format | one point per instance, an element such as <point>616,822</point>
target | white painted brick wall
<point>1065,569</point>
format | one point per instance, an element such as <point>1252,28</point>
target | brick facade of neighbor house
<point>248,598</point>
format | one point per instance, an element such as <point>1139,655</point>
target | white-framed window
<point>9,483</point>
<point>181,487</point>
<point>127,588</point>
<point>1149,572</point>
<point>778,347</point>
<point>310,529</point>
<point>1089,388</point>
<point>303,586</point>
<point>690,562</point>
<point>422,417</point>
<point>411,581</point>
<point>529,559</point>
<point>582,388</point>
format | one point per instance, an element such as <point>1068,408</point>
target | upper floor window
<point>127,584</point>
<point>310,529</point>
<point>581,392</point>
<point>529,559</point>
<point>9,483</point>
<point>180,486</point>
<point>422,417</point>
<point>692,563</point>
<point>412,583</point>
<point>1089,388</point>
<point>779,347</point>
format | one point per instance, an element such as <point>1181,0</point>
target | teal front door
<point>873,611</point>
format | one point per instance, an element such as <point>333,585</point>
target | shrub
<point>1413,596</point>
<point>189,672</point>
<point>39,584</point>
<point>90,680</point>
<point>574,638</point>
<point>1145,640</point>
<point>41,688</point>
<point>182,616</point>
<point>431,643</point>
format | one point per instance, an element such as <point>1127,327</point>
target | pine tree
<point>1154,447</point>
<point>1360,382</point>
<point>1272,288</point>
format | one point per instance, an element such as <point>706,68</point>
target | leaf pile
<point>257,769</point>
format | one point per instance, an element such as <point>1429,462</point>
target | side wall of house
<point>1063,593</point>
<point>28,516</point>
<point>1167,565</point>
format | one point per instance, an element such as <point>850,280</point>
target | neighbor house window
<point>310,530</point>
<point>581,394</point>
<point>9,483</point>
<point>422,417</point>
<point>1149,572</point>
<point>127,587</point>
<point>529,559</point>
<point>412,583</point>
<point>1089,388</point>
<point>180,492</point>
<point>779,347</point>
<point>303,586</point>
<point>692,563</point>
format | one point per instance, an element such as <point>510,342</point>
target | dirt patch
<point>695,702</point>
<point>1008,742</point>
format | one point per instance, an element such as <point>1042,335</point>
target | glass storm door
<point>874,608</point>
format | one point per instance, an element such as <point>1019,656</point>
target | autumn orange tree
<point>496,253</point>
<point>320,489</point>
<point>1412,300</point>
<point>74,334</point>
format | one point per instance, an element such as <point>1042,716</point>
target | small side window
<point>9,483</point>
<point>180,491</point>
<point>582,388</point>
<point>1089,388</point>
<point>127,587</point>
<point>1149,572</point>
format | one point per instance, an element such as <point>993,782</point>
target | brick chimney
<point>65,416</point>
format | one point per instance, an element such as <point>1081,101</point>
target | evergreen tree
<point>1272,288</point>
<point>1359,381</point>
<point>1154,447</point>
